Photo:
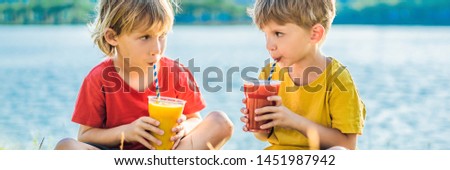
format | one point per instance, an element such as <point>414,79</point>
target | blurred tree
<point>46,11</point>
<point>426,12</point>
<point>211,11</point>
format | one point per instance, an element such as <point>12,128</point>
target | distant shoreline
<point>233,12</point>
<point>234,24</point>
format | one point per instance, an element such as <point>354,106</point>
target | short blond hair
<point>304,13</point>
<point>125,16</point>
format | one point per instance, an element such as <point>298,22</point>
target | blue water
<point>402,74</point>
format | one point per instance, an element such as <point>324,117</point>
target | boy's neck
<point>136,77</point>
<point>125,67</point>
<point>308,69</point>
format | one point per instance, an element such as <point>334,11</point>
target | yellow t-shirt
<point>332,100</point>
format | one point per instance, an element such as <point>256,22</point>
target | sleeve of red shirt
<point>90,104</point>
<point>192,95</point>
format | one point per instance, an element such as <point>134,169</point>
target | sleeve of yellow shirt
<point>348,112</point>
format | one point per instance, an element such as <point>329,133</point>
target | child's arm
<point>261,136</point>
<point>192,120</point>
<point>134,132</point>
<point>283,117</point>
<point>186,124</point>
<point>329,137</point>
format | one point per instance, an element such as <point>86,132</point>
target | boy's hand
<point>259,135</point>
<point>179,132</point>
<point>138,131</point>
<point>244,118</point>
<point>278,114</point>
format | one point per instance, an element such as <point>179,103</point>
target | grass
<point>36,143</point>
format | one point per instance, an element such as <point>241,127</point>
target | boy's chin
<point>283,65</point>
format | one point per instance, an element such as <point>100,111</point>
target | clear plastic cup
<point>167,111</point>
<point>256,93</point>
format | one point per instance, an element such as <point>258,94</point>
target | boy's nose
<point>271,46</point>
<point>155,48</point>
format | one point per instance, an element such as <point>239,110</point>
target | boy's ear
<point>111,37</point>
<point>317,33</point>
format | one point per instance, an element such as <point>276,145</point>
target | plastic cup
<point>256,93</point>
<point>167,111</point>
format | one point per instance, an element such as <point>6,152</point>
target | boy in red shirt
<point>113,97</point>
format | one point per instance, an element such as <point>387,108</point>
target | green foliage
<point>234,11</point>
<point>46,12</point>
<point>211,11</point>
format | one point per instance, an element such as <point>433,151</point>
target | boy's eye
<point>146,37</point>
<point>278,34</point>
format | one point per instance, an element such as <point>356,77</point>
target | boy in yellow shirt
<point>318,105</point>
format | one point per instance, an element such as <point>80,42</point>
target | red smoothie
<point>256,93</point>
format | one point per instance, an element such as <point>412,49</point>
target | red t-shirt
<point>106,101</point>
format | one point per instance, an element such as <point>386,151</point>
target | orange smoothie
<point>167,111</point>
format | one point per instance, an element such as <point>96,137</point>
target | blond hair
<point>125,16</point>
<point>304,13</point>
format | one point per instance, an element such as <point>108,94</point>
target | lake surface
<point>402,73</point>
